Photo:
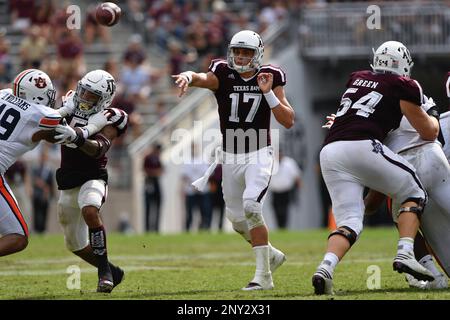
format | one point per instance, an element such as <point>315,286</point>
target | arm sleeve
<point>410,90</point>
<point>279,76</point>
<point>217,67</point>
<point>49,122</point>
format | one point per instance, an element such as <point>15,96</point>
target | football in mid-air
<point>108,14</point>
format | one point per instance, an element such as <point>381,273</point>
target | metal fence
<point>352,30</point>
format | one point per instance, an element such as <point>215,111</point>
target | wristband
<point>271,99</point>
<point>188,75</point>
<point>434,112</point>
<point>80,139</point>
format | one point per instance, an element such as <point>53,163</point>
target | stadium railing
<point>351,30</point>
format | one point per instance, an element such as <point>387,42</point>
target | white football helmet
<point>392,56</point>
<point>35,86</point>
<point>250,40</point>
<point>95,92</point>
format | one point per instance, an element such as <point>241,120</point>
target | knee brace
<point>92,193</point>
<point>241,227</point>
<point>418,210</point>
<point>253,213</point>
<point>347,233</point>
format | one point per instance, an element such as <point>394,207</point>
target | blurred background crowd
<point>158,38</point>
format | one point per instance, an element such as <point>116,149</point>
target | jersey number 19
<point>8,121</point>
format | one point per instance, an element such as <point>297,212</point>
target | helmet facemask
<point>87,100</point>
<point>252,63</point>
<point>51,94</point>
<point>95,92</point>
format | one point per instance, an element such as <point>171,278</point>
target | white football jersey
<point>405,137</point>
<point>19,120</point>
<point>444,121</point>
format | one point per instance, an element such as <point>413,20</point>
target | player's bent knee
<point>92,193</point>
<point>345,232</point>
<point>417,209</point>
<point>253,213</point>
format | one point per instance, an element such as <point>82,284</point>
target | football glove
<point>429,106</point>
<point>68,135</point>
<point>427,103</point>
<point>68,107</point>
<point>117,117</point>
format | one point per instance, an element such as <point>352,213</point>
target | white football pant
<point>245,177</point>
<point>349,166</point>
<point>92,193</point>
<point>11,218</point>
<point>433,170</point>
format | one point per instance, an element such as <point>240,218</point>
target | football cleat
<point>406,262</point>
<point>277,258</point>
<point>440,282</point>
<point>322,280</point>
<point>118,275</point>
<point>260,283</point>
<point>105,285</point>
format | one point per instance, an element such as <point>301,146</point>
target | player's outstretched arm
<point>192,79</point>
<point>97,146</point>
<point>47,135</point>
<point>46,129</point>
<point>276,99</point>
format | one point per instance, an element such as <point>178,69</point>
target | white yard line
<point>131,258</point>
<point>37,261</point>
<point>83,270</point>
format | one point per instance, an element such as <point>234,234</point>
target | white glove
<point>97,122</point>
<point>330,121</point>
<point>428,103</point>
<point>68,106</point>
<point>68,135</point>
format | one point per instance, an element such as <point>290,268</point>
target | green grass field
<point>206,266</point>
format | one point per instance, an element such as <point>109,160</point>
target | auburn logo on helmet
<point>40,83</point>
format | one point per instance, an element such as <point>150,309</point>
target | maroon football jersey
<point>76,166</point>
<point>243,111</point>
<point>370,107</point>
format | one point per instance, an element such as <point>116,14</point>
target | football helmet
<point>392,56</point>
<point>95,92</point>
<point>249,40</point>
<point>35,86</point>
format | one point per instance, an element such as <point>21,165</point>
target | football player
<point>353,157</point>
<point>83,177</point>
<point>432,166</point>
<point>247,93</point>
<point>26,117</point>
